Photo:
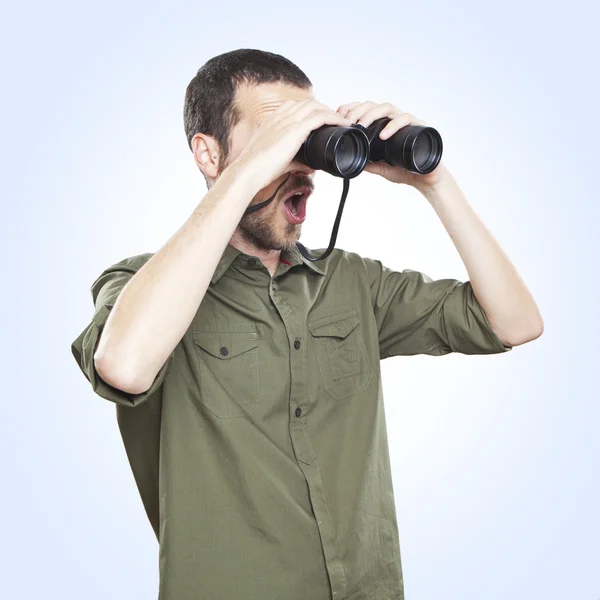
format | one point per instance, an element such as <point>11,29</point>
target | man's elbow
<point>526,332</point>
<point>119,375</point>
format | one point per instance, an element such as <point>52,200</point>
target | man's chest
<point>256,350</point>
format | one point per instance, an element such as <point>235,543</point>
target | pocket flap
<point>225,345</point>
<point>339,325</point>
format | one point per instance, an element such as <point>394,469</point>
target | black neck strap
<point>251,209</point>
<point>336,224</point>
<point>307,255</point>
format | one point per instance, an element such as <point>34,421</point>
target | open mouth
<point>294,205</point>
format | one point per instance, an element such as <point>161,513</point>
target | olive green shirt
<point>260,451</point>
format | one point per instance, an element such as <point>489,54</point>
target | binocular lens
<point>349,155</point>
<point>426,151</point>
<point>340,151</point>
<point>344,151</point>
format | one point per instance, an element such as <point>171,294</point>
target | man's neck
<point>269,258</point>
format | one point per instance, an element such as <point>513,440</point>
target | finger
<point>374,167</point>
<point>322,117</point>
<point>281,112</point>
<point>310,107</point>
<point>345,108</point>
<point>294,106</point>
<point>299,109</point>
<point>377,112</point>
<point>358,111</point>
<point>309,110</point>
<point>396,124</point>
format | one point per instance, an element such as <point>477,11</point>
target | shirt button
<point>224,351</point>
<point>297,344</point>
<point>298,412</point>
<point>252,262</point>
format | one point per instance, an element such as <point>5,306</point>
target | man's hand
<point>504,297</point>
<point>364,113</point>
<point>277,139</point>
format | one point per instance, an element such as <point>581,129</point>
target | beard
<point>261,228</point>
<point>258,230</point>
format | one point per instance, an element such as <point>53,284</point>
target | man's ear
<point>207,154</point>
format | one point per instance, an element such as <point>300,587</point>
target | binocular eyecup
<point>345,151</point>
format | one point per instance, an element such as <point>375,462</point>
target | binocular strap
<point>336,224</point>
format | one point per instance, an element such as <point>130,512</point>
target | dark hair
<point>209,98</point>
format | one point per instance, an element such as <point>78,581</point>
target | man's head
<point>224,104</point>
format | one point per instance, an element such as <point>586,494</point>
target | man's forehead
<point>259,100</point>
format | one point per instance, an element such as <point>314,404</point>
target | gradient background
<point>495,458</point>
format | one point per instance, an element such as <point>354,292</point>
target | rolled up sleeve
<point>105,291</point>
<point>418,315</point>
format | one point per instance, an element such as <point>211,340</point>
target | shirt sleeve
<point>105,291</point>
<point>418,315</point>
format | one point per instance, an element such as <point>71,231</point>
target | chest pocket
<point>341,353</point>
<point>228,371</point>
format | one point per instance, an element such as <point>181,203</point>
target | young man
<point>247,378</point>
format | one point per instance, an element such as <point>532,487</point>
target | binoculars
<point>345,151</point>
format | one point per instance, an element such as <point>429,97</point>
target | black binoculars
<point>345,151</point>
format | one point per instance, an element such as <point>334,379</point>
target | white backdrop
<point>495,458</point>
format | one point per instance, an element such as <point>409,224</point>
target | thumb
<point>374,167</point>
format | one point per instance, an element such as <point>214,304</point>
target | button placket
<point>297,345</point>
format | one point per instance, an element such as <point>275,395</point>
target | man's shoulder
<point>131,264</point>
<point>338,256</point>
<point>343,258</point>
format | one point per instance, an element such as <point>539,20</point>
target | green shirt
<point>260,451</point>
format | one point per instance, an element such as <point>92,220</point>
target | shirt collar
<point>293,256</point>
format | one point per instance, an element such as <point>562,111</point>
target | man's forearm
<point>156,307</point>
<point>508,304</point>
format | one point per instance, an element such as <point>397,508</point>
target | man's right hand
<point>276,141</point>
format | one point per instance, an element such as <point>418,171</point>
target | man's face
<point>271,227</point>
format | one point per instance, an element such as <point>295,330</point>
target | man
<point>247,378</point>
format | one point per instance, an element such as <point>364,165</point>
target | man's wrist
<point>446,186</point>
<point>242,179</point>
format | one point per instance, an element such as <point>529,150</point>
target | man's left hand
<point>364,113</point>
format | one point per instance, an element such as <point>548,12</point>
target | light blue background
<point>495,458</point>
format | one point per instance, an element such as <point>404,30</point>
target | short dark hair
<point>209,98</point>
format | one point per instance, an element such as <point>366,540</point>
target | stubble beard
<point>258,228</point>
